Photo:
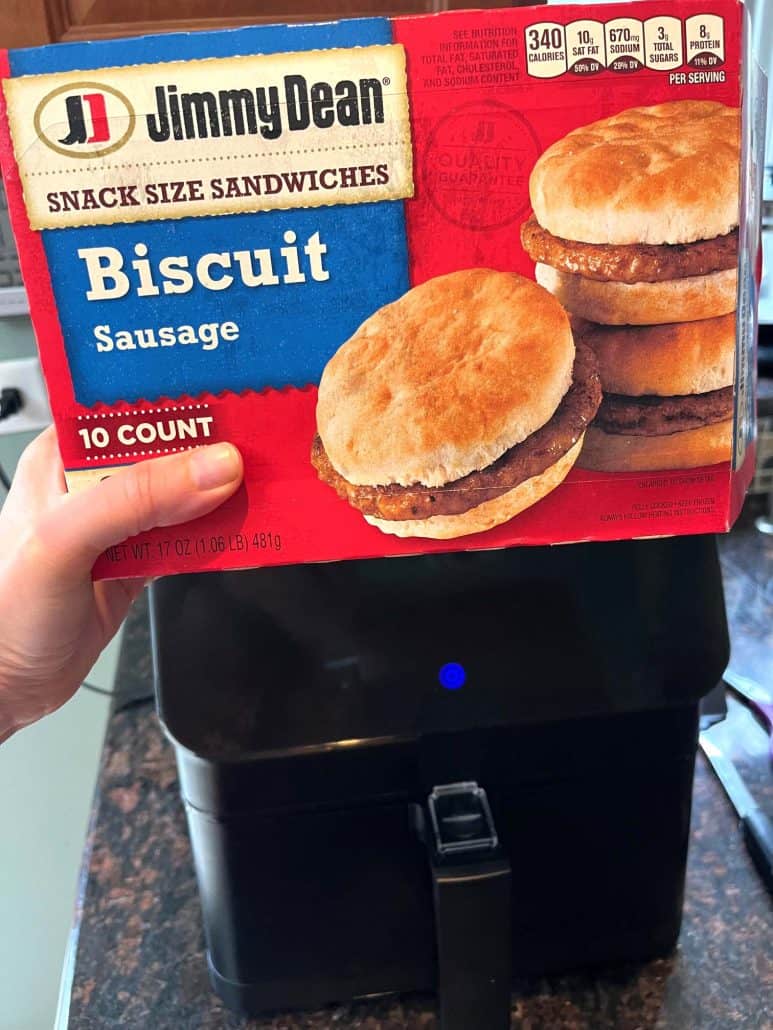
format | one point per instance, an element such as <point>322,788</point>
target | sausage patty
<point>634,263</point>
<point>661,416</point>
<point>527,459</point>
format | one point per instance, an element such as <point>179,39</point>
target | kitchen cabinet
<point>32,22</point>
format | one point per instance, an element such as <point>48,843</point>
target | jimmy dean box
<point>321,243</point>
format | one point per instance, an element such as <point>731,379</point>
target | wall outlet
<point>26,376</point>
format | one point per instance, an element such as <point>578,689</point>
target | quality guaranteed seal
<point>477,164</point>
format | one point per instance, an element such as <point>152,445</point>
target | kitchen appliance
<point>434,773</point>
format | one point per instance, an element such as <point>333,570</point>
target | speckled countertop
<point>139,951</point>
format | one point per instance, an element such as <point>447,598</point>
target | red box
<point>326,237</point>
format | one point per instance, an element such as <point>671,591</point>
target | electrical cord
<point>129,703</point>
<point>96,690</point>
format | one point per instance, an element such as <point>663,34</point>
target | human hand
<point>54,620</point>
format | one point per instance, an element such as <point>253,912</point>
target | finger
<point>38,479</point>
<point>159,492</point>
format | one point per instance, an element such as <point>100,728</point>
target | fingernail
<point>215,465</point>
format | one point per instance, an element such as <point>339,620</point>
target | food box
<point>470,280</point>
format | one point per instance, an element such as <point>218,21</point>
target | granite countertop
<point>139,952</point>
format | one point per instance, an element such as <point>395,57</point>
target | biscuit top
<point>443,381</point>
<point>664,360</point>
<point>662,174</point>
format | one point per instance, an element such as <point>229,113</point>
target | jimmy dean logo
<point>262,110</point>
<point>265,111</point>
<point>84,119</point>
<point>314,128</point>
<point>76,119</point>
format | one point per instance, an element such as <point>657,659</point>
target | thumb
<point>158,492</point>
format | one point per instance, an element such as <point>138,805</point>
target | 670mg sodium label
<point>625,44</point>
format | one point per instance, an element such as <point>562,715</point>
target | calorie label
<point>546,50</point>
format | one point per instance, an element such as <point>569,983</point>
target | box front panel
<point>205,220</point>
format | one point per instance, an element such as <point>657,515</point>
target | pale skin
<point>54,619</point>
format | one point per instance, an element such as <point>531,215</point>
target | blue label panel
<point>287,332</point>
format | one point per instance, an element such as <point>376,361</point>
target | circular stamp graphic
<point>477,164</point>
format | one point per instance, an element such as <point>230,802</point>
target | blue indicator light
<point>452,675</point>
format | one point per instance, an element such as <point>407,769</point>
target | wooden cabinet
<point>31,22</point>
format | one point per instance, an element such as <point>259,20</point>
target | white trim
<point>13,301</point>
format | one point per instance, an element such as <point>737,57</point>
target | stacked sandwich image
<point>635,232</point>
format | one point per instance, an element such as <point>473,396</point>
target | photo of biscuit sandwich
<point>635,225</point>
<point>668,395</point>
<point>455,407</point>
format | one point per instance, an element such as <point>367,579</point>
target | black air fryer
<point>436,773</point>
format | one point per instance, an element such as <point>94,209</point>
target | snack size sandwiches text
<point>228,187</point>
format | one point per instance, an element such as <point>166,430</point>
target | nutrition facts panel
<point>624,45</point>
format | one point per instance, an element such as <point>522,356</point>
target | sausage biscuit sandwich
<point>636,216</point>
<point>456,406</point>
<point>668,395</point>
